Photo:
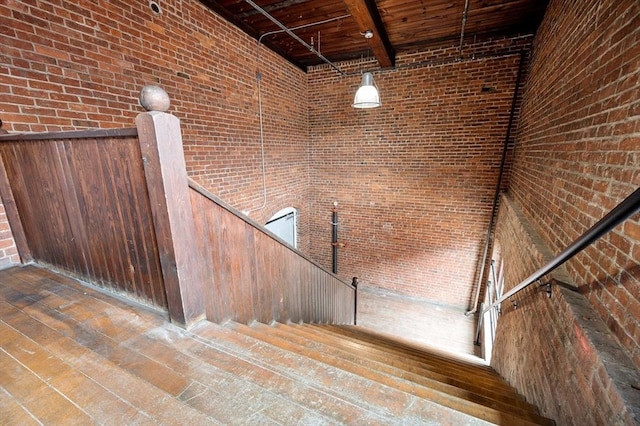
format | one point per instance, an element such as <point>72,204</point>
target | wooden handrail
<point>71,134</point>
<point>207,194</point>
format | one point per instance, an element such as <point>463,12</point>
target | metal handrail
<point>627,208</point>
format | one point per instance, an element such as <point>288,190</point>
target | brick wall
<point>415,178</point>
<point>71,66</point>
<point>557,351</point>
<point>578,150</point>
<point>8,251</point>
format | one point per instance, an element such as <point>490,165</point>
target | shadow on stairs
<point>71,354</point>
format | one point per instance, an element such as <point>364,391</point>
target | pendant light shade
<point>367,95</point>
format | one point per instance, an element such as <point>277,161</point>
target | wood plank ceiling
<point>335,28</point>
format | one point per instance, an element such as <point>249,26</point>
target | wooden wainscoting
<point>252,276</point>
<point>114,207</point>
<point>78,201</point>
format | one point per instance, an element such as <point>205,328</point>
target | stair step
<point>381,404</point>
<point>220,387</point>
<point>420,365</point>
<point>514,415</point>
<point>325,343</point>
<point>409,351</point>
<point>72,354</point>
<point>230,388</point>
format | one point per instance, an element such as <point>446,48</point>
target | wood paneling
<point>160,142</point>
<point>253,276</point>
<point>335,27</point>
<point>117,211</point>
<point>82,203</point>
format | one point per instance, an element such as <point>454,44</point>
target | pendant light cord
<point>260,114</point>
<point>264,167</point>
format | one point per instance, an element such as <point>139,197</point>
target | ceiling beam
<point>251,32</point>
<point>366,15</point>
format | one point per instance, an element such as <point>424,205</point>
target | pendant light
<point>367,95</point>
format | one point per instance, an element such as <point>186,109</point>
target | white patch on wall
<point>284,225</point>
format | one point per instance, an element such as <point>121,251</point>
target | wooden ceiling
<point>335,28</point>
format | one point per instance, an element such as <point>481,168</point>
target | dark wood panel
<point>253,276</point>
<point>84,208</point>
<point>406,25</point>
<point>31,170</point>
<point>207,246</point>
<point>263,284</point>
<point>165,171</point>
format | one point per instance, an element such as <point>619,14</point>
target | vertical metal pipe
<point>464,23</point>
<point>354,283</point>
<point>334,240</point>
<point>496,195</point>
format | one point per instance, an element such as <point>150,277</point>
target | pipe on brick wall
<point>263,162</point>
<point>465,13</point>
<point>334,238</point>
<point>496,195</point>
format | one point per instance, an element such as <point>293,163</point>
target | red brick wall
<point>82,64</point>
<point>8,252</point>
<point>556,351</point>
<point>415,178</point>
<point>578,153</point>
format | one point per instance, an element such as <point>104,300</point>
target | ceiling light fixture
<point>367,95</point>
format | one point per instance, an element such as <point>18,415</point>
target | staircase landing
<point>419,320</point>
<point>73,355</point>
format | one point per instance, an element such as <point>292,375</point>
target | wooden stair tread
<point>413,363</point>
<point>302,335</point>
<point>231,388</point>
<point>76,355</point>
<point>388,405</point>
<point>467,406</point>
<point>381,341</point>
<point>399,342</point>
<point>218,401</point>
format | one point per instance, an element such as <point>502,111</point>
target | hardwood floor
<point>70,354</point>
<point>421,321</point>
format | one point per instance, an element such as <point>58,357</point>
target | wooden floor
<point>72,355</point>
<point>419,320</point>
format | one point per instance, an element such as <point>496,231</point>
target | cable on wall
<point>496,196</point>
<point>259,86</point>
<point>260,117</point>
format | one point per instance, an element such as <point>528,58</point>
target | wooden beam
<point>366,15</point>
<point>167,182</point>
<point>238,22</point>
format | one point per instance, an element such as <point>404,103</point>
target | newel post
<point>166,175</point>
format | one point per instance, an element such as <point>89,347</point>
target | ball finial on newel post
<point>154,98</point>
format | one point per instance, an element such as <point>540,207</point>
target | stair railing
<point>627,208</point>
<point>495,288</point>
<point>268,280</point>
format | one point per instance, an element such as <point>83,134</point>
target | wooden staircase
<point>72,355</point>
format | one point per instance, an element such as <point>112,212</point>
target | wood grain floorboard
<point>419,320</point>
<point>72,354</point>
